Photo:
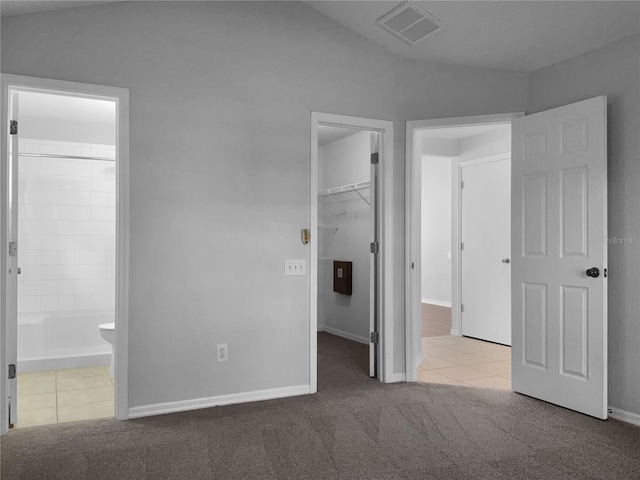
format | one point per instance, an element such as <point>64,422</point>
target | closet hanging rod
<point>352,187</point>
<point>72,157</point>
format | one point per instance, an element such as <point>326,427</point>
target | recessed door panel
<point>574,211</point>
<point>534,215</point>
<point>534,319</point>
<point>574,331</point>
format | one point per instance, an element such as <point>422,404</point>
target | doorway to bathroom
<point>64,162</point>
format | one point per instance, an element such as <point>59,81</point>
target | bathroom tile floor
<point>59,396</point>
<point>465,361</point>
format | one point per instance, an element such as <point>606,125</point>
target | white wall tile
<point>82,257</point>
<point>49,287</point>
<point>66,287</point>
<point>66,209</point>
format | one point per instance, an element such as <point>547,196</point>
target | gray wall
<point>221,95</point>
<point>613,71</point>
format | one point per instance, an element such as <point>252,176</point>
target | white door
<point>559,302</point>
<point>485,233</point>
<point>12,262</point>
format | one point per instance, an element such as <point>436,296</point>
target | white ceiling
<point>512,35</point>
<point>59,107</point>
<point>329,133</point>
<point>458,133</point>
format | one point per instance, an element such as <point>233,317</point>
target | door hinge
<point>375,337</point>
<point>13,127</point>
<point>605,273</point>
<point>374,247</point>
<point>462,246</point>
<point>374,158</point>
<point>462,307</point>
<point>13,249</point>
<point>12,371</point>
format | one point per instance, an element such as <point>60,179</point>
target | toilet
<point>108,332</point>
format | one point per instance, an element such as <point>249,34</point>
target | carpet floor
<point>353,428</point>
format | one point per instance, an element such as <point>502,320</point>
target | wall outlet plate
<point>295,267</point>
<point>222,352</point>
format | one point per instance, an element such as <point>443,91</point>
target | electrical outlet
<point>295,267</point>
<point>222,354</point>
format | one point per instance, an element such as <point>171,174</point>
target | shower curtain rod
<point>72,157</point>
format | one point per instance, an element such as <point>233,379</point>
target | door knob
<point>506,260</point>
<point>593,272</point>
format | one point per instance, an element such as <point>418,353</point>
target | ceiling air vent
<point>410,22</point>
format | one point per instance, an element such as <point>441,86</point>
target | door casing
<point>121,97</point>
<point>385,225</point>
<point>413,192</point>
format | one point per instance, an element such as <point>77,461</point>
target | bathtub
<point>55,341</point>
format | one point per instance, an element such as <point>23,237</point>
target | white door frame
<point>121,348</point>
<point>456,273</point>
<point>385,196</point>
<point>413,267</point>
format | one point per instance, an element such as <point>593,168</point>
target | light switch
<point>295,267</point>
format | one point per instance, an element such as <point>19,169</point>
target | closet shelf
<point>329,227</point>
<point>352,187</point>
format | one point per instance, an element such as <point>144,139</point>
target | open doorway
<point>363,186</point>
<point>347,203</point>
<point>465,243</point>
<point>65,207</point>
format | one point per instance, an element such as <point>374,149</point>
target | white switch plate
<point>295,267</point>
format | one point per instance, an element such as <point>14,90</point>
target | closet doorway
<point>347,235</point>
<point>348,256</point>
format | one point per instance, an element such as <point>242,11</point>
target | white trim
<point>396,378</point>
<point>439,303</point>
<point>347,335</point>
<point>624,416</point>
<point>455,332</point>
<point>62,363</point>
<point>218,401</point>
<point>385,196</point>
<point>413,189</point>
<point>121,97</point>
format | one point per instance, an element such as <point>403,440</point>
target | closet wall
<point>344,235</point>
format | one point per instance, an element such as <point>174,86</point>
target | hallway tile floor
<point>465,361</point>
<point>59,396</point>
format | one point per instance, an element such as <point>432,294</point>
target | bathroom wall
<point>343,162</point>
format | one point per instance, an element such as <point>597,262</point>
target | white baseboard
<point>62,363</point>
<point>454,331</point>
<point>624,416</point>
<point>347,335</point>
<point>199,403</point>
<point>440,303</point>
<point>395,378</point>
